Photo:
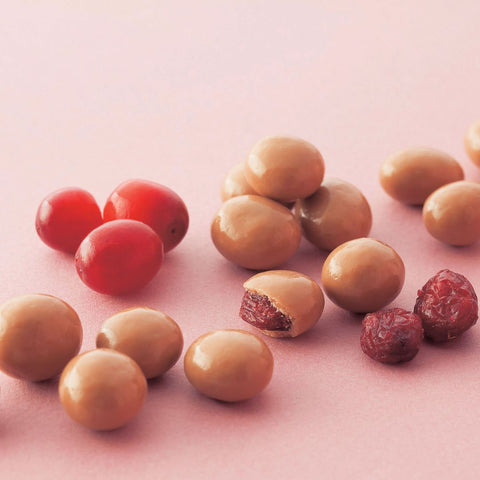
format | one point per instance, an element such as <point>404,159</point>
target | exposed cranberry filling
<point>259,311</point>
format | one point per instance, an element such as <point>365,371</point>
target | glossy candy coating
<point>229,365</point>
<point>472,142</point>
<point>411,175</point>
<point>255,232</point>
<point>119,257</point>
<point>451,214</point>
<point>284,168</point>
<point>102,389</point>
<point>153,204</point>
<point>65,217</point>
<point>39,334</point>
<point>363,275</point>
<point>295,295</point>
<point>235,183</point>
<point>336,213</point>
<point>150,337</point>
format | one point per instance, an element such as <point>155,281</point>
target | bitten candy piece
<point>235,183</point>
<point>282,303</point>
<point>447,305</point>
<point>229,365</point>
<point>284,168</point>
<point>451,214</point>
<point>39,334</point>
<point>472,142</point>
<point>255,232</point>
<point>336,213</point>
<point>391,336</point>
<point>102,389</point>
<point>411,175</point>
<point>363,275</point>
<point>150,337</point>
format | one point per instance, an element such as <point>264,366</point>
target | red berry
<point>150,203</point>
<point>65,217</point>
<point>391,336</point>
<point>119,257</point>
<point>447,305</point>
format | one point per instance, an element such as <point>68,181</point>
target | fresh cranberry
<point>391,336</point>
<point>150,203</point>
<point>119,257</point>
<point>65,217</point>
<point>447,305</point>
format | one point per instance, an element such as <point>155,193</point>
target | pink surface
<point>95,92</point>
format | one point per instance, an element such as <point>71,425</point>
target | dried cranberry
<point>391,336</point>
<point>260,312</point>
<point>447,305</point>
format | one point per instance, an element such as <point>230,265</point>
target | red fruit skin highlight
<point>447,305</point>
<point>119,257</point>
<point>65,217</point>
<point>391,336</point>
<point>153,204</point>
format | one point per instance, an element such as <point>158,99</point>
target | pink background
<point>95,92</point>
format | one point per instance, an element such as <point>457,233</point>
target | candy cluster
<point>362,275</point>
<point>122,250</point>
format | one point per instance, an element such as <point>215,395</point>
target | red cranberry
<point>391,336</point>
<point>65,217</point>
<point>151,203</point>
<point>119,257</point>
<point>260,312</point>
<point>447,305</point>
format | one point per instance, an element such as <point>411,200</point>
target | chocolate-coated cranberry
<point>282,303</point>
<point>411,175</point>
<point>65,217</point>
<point>119,257</point>
<point>39,334</point>
<point>229,365</point>
<point>391,336</point>
<point>151,338</point>
<point>447,305</point>
<point>156,205</point>
<point>102,389</point>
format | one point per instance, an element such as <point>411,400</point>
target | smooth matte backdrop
<point>95,92</point>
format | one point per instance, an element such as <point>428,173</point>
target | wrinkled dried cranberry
<point>447,305</point>
<point>391,336</point>
<point>259,311</point>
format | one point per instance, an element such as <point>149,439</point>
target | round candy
<point>39,334</point>
<point>255,232</point>
<point>363,275</point>
<point>66,217</point>
<point>284,168</point>
<point>472,143</point>
<point>148,336</point>
<point>335,213</point>
<point>235,183</point>
<point>119,257</point>
<point>102,389</point>
<point>451,214</point>
<point>229,365</point>
<point>153,204</point>
<point>411,175</point>
<point>282,303</point>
